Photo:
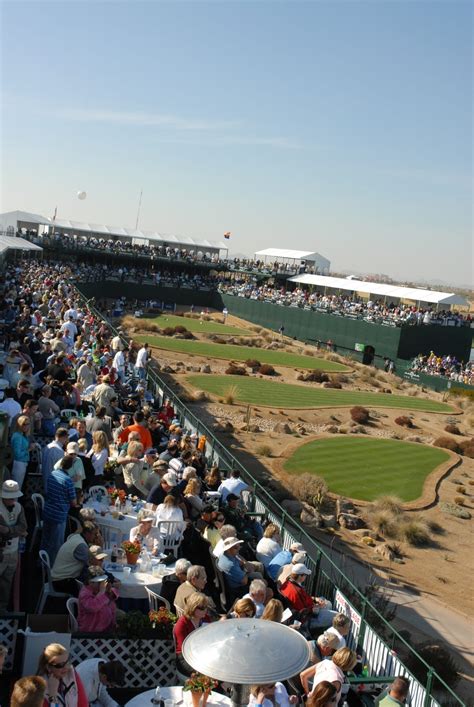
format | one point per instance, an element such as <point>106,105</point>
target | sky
<point>338,127</point>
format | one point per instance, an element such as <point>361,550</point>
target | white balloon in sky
<point>81,195</point>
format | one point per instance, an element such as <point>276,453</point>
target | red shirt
<point>144,432</point>
<point>297,596</point>
<point>182,628</point>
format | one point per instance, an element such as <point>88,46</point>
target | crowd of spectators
<point>80,411</point>
<point>377,311</point>
<point>445,367</point>
<point>277,267</point>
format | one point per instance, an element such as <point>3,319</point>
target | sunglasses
<point>58,666</point>
<point>202,608</point>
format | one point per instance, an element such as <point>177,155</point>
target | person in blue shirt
<point>283,558</point>
<point>230,565</point>
<point>60,496</point>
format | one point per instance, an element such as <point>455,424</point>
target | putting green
<point>364,468</point>
<point>197,326</point>
<point>258,391</point>
<point>241,353</point>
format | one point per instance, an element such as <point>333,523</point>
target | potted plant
<point>162,622</point>
<point>115,493</point>
<point>132,550</point>
<point>200,687</point>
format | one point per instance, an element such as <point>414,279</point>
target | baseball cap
<point>299,568</point>
<point>297,547</point>
<point>151,450</point>
<point>298,558</point>
<point>97,552</point>
<point>170,478</point>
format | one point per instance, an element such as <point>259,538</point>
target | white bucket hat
<point>11,489</point>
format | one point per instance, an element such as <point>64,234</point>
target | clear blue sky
<point>343,127</point>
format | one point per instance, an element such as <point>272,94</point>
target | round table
<point>116,529</point>
<point>177,695</point>
<point>132,584</point>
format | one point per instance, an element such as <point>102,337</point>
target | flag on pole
<point>227,235</point>
<point>55,213</point>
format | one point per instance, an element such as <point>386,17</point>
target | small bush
<point>383,522</point>
<point>266,370</point>
<point>264,450</point>
<point>391,504</point>
<point>447,443</point>
<point>180,329</point>
<point>235,371</point>
<point>230,394</point>
<point>309,489</point>
<point>452,429</point>
<point>332,384</point>
<point>467,448</point>
<point>360,415</point>
<point>396,548</point>
<point>459,500</point>
<point>187,335</point>
<point>168,331</point>
<point>404,421</point>
<point>461,489</point>
<point>415,532</point>
<point>252,363</point>
<point>316,377</point>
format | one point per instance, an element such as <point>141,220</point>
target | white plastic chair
<point>47,590</point>
<point>171,533</point>
<point>72,605</point>
<point>155,600</point>
<point>38,503</point>
<point>68,414</point>
<point>111,535</point>
<point>94,490</point>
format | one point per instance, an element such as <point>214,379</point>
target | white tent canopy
<point>14,243</point>
<point>374,288</point>
<point>288,254</point>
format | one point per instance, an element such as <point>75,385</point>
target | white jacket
<point>96,691</point>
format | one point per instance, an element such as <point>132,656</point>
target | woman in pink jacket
<point>97,610</point>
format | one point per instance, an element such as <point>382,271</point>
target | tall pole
<point>138,212</point>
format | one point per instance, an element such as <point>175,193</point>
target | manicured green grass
<point>364,468</point>
<point>258,391</point>
<point>241,353</point>
<point>195,325</point>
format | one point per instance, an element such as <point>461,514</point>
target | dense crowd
<point>262,266</point>
<point>444,366</point>
<point>375,310</point>
<point>83,420</point>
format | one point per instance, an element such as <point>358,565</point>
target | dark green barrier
<point>134,290</point>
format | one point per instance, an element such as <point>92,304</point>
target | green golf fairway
<point>364,469</point>
<point>257,391</point>
<point>195,325</point>
<point>241,353</point>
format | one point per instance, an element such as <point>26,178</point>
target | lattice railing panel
<point>8,634</point>
<point>148,662</point>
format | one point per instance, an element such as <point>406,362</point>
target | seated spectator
<point>195,614</point>
<point>72,560</point>
<point>242,609</point>
<point>233,484</point>
<point>28,692</point>
<point>172,582</point>
<point>313,612</point>
<point>166,486</point>
<point>341,625</point>
<point>323,647</point>
<point>324,695</point>
<point>145,534</point>
<point>269,546</point>
<point>247,528</point>
<point>270,695</point>
<point>273,611</point>
<point>214,521</point>
<point>196,580</point>
<point>397,694</point>
<point>61,679</point>
<point>283,558</point>
<point>194,503</point>
<point>170,510</point>
<point>159,469</point>
<point>259,594</point>
<point>233,568</point>
<point>97,598</point>
<point>334,670</point>
<point>213,480</point>
<point>97,675</point>
<point>297,559</point>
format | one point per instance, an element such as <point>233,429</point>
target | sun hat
<point>299,568</point>
<point>96,574</point>
<point>170,479</point>
<point>230,543</point>
<point>298,558</point>
<point>97,552</point>
<point>11,489</point>
<point>297,547</point>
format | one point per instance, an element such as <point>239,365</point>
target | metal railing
<point>380,647</point>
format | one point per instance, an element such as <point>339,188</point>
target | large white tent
<point>283,255</point>
<point>389,292</point>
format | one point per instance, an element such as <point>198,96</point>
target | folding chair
<point>38,503</point>
<point>156,601</point>
<point>47,590</point>
<point>171,532</point>
<point>72,605</point>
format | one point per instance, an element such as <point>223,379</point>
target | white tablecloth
<point>176,694</point>
<point>133,583</point>
<point>118,528</point>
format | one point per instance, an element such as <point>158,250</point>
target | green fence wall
<point>440,339</point>
<point>134,290</point>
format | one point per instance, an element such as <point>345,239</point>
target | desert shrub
<point>461,489</point>
<point>459,500</point>
<point>404,421</point>
<point>396,548</point>
<point>471,482</point>
<point>452,429</point>
<point>180,329</point>
<point>360,415</point>
<point>316,377</point>
<point>235,371</point>
<point>266,370</point>
<point>391,504</point>
<point>230,395</point>
<point>332,384</point>
<point>252,363</point>
<point>264,450</point>
<point>415,532</point>
<point>447,443</point>
<point>467,448</point>
<point>187,335</point>
<point>383,522</point>
<point>437,656</point>
<point>309,489</point>
<point>168,331</point>
<point>149,326</point>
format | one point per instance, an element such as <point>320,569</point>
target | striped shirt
<point>59,494</point>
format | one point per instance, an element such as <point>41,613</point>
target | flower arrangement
<point>115,493</point>
<point>131,548</point>
<point>199,683</point>
<point>162,617</point>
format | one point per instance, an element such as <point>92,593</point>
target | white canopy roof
<point>290,254</point>
<point>15,243</point>
<point>380,289</point>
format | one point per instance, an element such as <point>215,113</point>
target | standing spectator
<point>101,422</point>
<point>142,362</point>
<point>99,454</point>
<point>10,406</point>
<point>53,452</point>
<point>103,394</point>
<point>397,693</point>
<point>49,411</point>
<point>79,431</point>
<point>21,446</point>
<point>86,374</point>
<point>97,675</point>
<point>12,527</point>
<point>60,496</point>
<point>28,692</point>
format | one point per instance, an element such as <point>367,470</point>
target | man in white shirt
<point>10,405</point>
<point>96,676</point>
<point>119,364</point>
<point>233,484</point>
<point>142,362</point>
